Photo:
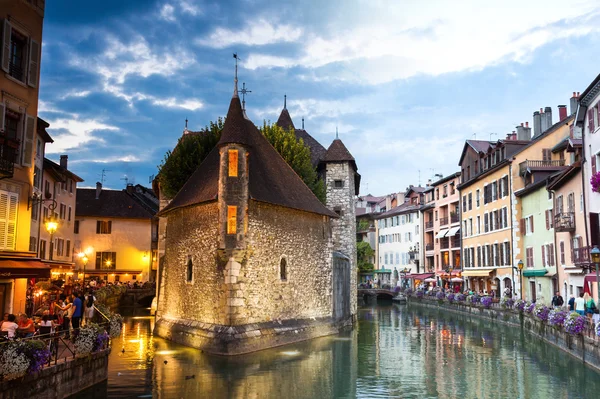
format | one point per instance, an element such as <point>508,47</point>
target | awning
<point>452,273</point>
<point>573,270</point>
<point>421,276</point>
<point>382,271</point>
<point>476,273</point>
<point>534,273</point>
<point>442,233</point>
<point>452,232</point>
<point>590,278</point>
<point>23,268</point>
<point>102,272</point>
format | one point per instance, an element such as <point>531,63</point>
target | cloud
<point>171,102</point>
<point>382,42</point>
<point>256,33</point>
<point>167,12</point>
<point>71,133</point>
<point>121,158</point>
<point>190,8</point>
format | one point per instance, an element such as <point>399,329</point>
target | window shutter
<point>2,112</point>
<point>522,226</point>
<point>98,224</point>
<point>28,140</point>
<point>593,163</point>
<point>531,222</point>
<point>109,227</point>
<point>552,255</point>
<point>591,120</point>
<point>543,255</point>
<point>5,50</point>
<point>562,252</point>
<point>547,221</point>
<point>34,63</point>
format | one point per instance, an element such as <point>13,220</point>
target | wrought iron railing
<point>429,225</point>
<point>581,256</point>
<point>7,157</point>
<point>428,247</point>
<point>564,222</point>
<point>444,221</point>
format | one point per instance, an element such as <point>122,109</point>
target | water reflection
<point>395,351</point>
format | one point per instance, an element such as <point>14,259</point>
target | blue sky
<point>405,82</point>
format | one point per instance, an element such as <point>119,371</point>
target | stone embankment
<point>585,347</point>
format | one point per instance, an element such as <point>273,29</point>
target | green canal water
<point>394,352</point>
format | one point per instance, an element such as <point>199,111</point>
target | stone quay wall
<point>582,347</point>
<point>59,381</point>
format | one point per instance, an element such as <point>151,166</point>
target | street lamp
<point>595,253</point>
<point>84,259</point>
<point>51,226</point>
<point>520,266</point>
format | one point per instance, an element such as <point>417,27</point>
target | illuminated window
<point>283,269</point>
<point>233,163</point>
<point>231,219</point>
<point>190,270</point>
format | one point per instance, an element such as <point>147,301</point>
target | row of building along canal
<point>403,351</point>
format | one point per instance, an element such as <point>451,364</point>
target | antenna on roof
<point>492,134</point>
<point>302,123</point>
<point>103,175</point>
<point>186,121</point>
<point>244,91</point>
<point>235,80</point>
<point>285,101</point>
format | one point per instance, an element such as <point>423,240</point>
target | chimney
<point>537,127</point>
<point>562,112</point>
<point>508,136</point>
<point>63,161</point>
<point>129,189</point>
<point>548,115</point>
<point>98,189</point>
<point>574,101</point>
<point>428,182</point>
<point>544,121</point>
<point>523,132</point>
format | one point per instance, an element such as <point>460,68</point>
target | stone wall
<point>59,381</point>
<point>344,228</point>
<point>194,232</point>
<point>581,347</point>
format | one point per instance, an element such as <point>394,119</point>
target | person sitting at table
<point>10,326</point>
<point>26,326</point>
<point>4,320</point>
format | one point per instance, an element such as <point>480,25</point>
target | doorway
<point>532,290</point>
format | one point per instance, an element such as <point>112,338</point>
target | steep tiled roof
<point>317,151</point>
<point>285,120</point>
<point>271,179</point>
<point>58,172</point>
<point>337,152</point>
<point>400,209</point>
<point>110,204</point>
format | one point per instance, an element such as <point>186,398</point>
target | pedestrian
<point>572,303</point>
<point>67,311</point>
<point>580,305</point>
<point>10,326</point>
<point>557,300</point>
<point>88,312</point>
<point>77,313</point>
<point>590,305</point>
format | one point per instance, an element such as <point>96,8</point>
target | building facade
<point>21,24</point>
<point>117,232</point>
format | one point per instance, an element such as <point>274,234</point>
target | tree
<point>179,164</point>
<point>297,155</point>
<point>364,252</point>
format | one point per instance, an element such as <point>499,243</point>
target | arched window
<point>190,270</point>
<point>283,269</point>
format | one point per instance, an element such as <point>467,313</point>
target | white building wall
<point>396,236</point>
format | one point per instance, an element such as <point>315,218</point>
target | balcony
<point>454,218</point>
<point>581,256</point>
<point>547,164</point>
<point>429,225</point>
<point>455,242</point>
<point>428,247</point>
<point>444,243</point>
<point>444,221</point>
<point>8,151</point>
<point>564,222</point>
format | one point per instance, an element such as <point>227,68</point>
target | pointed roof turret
<point>337,152</point>
<point>285,120</point>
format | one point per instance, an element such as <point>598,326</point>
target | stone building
<point>252,258</point>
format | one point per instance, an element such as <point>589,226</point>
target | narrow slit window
<point>231,219</point>
<point>283,269</point>
<point>190,270</point>
<point>233,163</point>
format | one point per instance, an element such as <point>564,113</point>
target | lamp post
<point>520,266</point>
<point>595,253</point>
<point>84,259</point>
<point>51,226</point>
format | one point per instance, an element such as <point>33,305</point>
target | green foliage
<point>364,252</point>
<point>297,155</point>
<point>363,225</point>
<point>179,164</point>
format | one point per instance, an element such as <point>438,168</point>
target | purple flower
<point>408,291</point>
<point>529,307</point>
<point>595,182</point>
<point>574,324</point>
<point>440,295</point>
<point>419,294</point>
<point>598,329</point>
<point>557,317</point>
<point>486,301</point>
<point>450,297</point>
<point>460,297</point>
<point>507,302</point>
<point>541,312</point>
<point>520,305</point>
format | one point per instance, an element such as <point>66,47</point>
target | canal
<point>395,352</point>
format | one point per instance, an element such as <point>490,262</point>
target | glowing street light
<point>84,259</point>
<point>51,227</point>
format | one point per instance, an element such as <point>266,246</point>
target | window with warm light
<point>233,163</point>
<point>231,219</point>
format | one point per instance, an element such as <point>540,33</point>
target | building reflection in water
<point>395,351</point>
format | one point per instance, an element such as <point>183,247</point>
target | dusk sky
<point>405,82</point>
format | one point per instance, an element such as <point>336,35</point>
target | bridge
<point>376,292</point>
<point>138,297</point>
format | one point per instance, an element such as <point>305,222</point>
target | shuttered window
<point>8,219</point>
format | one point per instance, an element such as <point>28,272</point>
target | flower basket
<point>14,363</point>
<point>486,301</point>
<point>541,312</point>
<point>507,302</point>
<point>574,324</point>
<point>520,305</point>
<point>595,182</point>
<point>557,317</point>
